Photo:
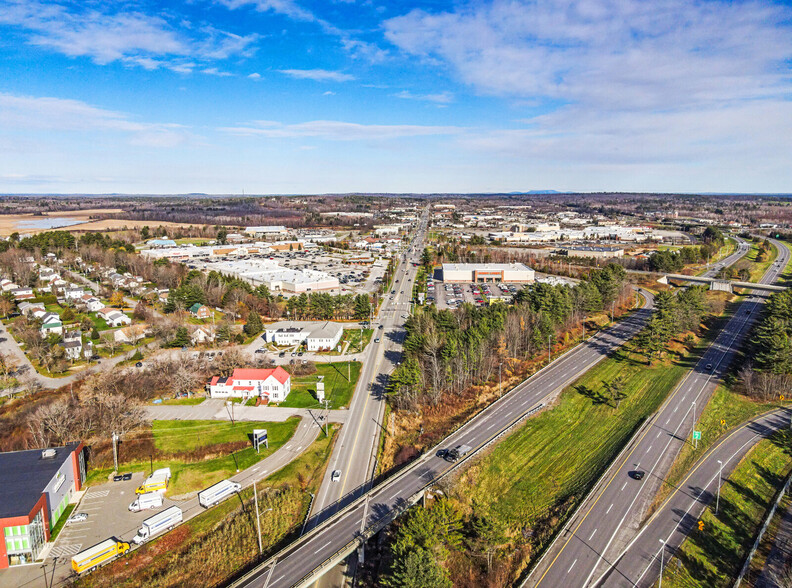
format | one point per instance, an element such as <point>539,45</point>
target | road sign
<point>259,437</point>
<point>696,435</point>
<point>781,397</point>
<point>701,525</point>
<point>723,422</point>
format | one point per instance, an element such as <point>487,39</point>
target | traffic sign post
<point>696,437</point>
<point>259,437</point>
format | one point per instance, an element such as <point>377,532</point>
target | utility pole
<point>327,416</point>
<point>230,410</point>
<point>500,388</point>
<point>720,473</point>
<point>258,522</point>
<point>115,451</point>
<point>662,561</point>
<point>613,303</point>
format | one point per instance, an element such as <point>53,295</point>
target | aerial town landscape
<point>463,294</point>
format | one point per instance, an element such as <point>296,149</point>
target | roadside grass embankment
<point>199,453</point>
<point>338,389</point>
<point>213,547</point>
<point>712,557</point>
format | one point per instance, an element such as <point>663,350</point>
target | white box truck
<point>156,482</point>
<point>220,491</point>
<point>165,520</point>
<point>147,500</point>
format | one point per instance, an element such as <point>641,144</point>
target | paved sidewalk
<point>215,409</point>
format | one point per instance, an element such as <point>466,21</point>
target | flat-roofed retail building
<point>517,273</point>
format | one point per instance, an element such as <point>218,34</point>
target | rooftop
<point>487,266</point>
<point>23,477</point>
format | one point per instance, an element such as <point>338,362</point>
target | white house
<point>202,335</point>
<point>23,293</point>
<point>26,308</point>
<point>130,335</point>
<point>324,338</point>
<point>92,303</point>
<point>281,335</point>
<point>51,323</point>
<point>72,344</point>
<point>114,317</point>
<point>273,384</point>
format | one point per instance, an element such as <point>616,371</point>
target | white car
<point>335,476</point>
<point>77,518</point>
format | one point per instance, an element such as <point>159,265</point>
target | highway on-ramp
<point>610,517</point>
<point>305,560</point>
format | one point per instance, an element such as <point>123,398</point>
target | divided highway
<point>305,560</point>
<point>611,516</point>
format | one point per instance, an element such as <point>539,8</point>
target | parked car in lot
<point>77,518</point>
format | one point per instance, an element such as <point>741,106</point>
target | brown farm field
<point>10,223</point>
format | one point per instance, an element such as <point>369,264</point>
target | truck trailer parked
<point>99,554</point>
<point>165,520</point>
<point>147,500</point>
<point>156,482</point>
<point>220,491</point>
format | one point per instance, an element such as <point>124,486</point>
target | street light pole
<point>500,387</point>
<point>720,474</point>
<point>662,561</point>
<point>549,347</point>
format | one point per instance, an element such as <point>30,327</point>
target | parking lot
<point>449,296</point>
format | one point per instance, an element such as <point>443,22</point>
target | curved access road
<point>309,557</point>
<point>639,565</point>
<point>611,516</point>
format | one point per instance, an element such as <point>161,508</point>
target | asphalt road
<point>315,548</point>
<point>611,516</point>
<point>679,515</point>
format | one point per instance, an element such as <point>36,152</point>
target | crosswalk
<point>96,494</point>
<point>65,550</point>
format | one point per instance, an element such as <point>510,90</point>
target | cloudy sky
<point>293,96</point>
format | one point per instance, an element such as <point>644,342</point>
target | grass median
<point>713,557</point>
<point>340,379</point>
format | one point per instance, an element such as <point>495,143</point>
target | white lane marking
<point>592,535</point>
<point>658,434</point>
<point>322,547</point>
<point>572,566</point>
<point>649,450</point>
<point>609,508</point>
<point>623,485</point>
<point>676,408</point>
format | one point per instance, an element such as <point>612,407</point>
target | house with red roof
<point>273,384</point>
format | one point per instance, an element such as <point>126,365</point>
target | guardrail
<point>394,513</point>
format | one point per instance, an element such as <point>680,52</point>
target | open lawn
<point>353,336</point>
<point>338,390</point>
<point>209,548</point>
<point>183,401</point>
<point>201,453</point>
<point>549,464</point>
<point>712,557</point>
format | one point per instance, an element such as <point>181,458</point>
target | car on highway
<point>77,518</point>
<point>637,474</point>
<point>335,476</point>
<point>709,366</point>
<point>377,340</point>
<point>381,327</point>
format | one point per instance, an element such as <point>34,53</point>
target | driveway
<point>215,409</point>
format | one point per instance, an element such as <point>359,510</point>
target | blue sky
<point>291,96</point>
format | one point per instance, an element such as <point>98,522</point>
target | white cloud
<point>318,75</point>
<point>254,76</point>
<point>213,71</point>
<point>440,98</point>
<point>338,130</point>
<point>132,37</point>
<point>328,93</point>
<point>28,113</point>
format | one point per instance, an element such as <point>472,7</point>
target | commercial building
<point>272,384</point>
<point>36,486</point>
<point>488,272</point>
<point>266,231</point>
<point>316,336</point>
<point>276,277</point>
<point>594,252</point>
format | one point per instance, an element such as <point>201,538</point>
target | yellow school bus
<point>100,553</point>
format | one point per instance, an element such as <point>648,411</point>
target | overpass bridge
<point>720,284</point>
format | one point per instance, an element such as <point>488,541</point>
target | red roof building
<point>273,384</point>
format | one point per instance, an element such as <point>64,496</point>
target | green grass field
<point>712,557</point>
<point>338,390</point>
<point>353,336</point>
<point>555,457</point>
<point>183,437</point>
<point>183,401</point>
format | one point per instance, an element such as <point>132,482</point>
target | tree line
<point>447,352</point>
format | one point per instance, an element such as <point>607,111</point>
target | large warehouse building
<point>36,486</point>
<point>517,273</point>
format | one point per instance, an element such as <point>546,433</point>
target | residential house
<point>51,323</point>
<point>47,274</point>
<point>72,344</point>
<point>202,335</point>
<point>92,303</point>
<point>23,293</point>
<point>73,293</point>
<point>7,285</point>
<point>272,384</point>
<point>131,334</point>
<point>200,311</point>
<point>26,308</point>
<point>114,317</point>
